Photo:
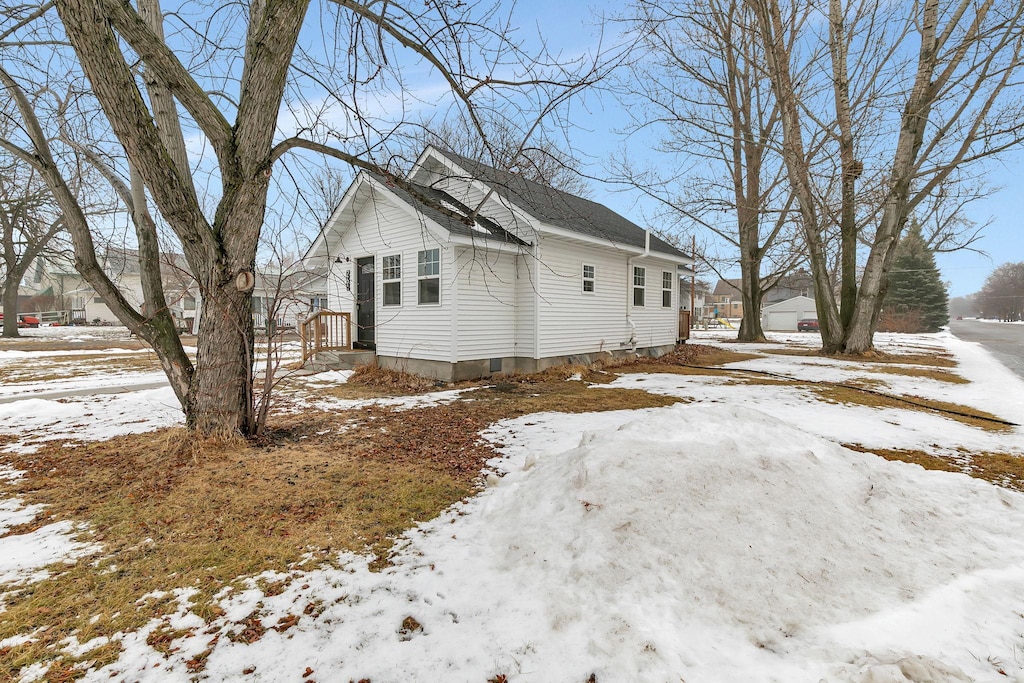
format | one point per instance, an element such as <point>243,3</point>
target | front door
<point>365,304</point>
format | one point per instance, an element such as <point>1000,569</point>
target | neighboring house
<point>285,300</point>
<point>797,283</point>
<point>699,295</point>
<point>726,300</point>
<point>783,315</point>
<point>57,282</point>
<point>476,271</point>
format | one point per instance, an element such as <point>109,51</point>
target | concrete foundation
<point>475,369</point>
<point>339,360</point>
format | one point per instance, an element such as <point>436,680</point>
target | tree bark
<point>219,396</point>
<point>11,281</point>
<point>777,58</point>
<point>221,400</point>
<point>838,48</point>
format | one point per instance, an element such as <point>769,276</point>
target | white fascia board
<point>630,249</point>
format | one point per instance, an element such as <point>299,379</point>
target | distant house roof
<point>561,209</point>
<point>728,287</point>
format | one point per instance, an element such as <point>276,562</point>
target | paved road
<point>1006,342</point>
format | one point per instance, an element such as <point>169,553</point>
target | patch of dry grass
<point>1002,469</point>
<point>927,373</point>
<point>687,359</point>
<point>69,367</point>
<point>171,511</point>
<point>393,381</point>
<point>938,360</point>
<point>868,383</point>
<point>941,360</point>
<point>833,393</point>
<point>926,460</point>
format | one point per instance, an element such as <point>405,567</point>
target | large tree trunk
<point>750,273</point>
<point>860,334</point>
<point>220,400</point>
<point>794,154</point>
<point>848,165</point>
<point>11,304</point>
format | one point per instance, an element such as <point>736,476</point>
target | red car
<point>24,320</point>
<point>807,325</point>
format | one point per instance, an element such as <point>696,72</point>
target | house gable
<point>521,203</point>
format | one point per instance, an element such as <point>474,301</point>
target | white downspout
<point>631,342</point>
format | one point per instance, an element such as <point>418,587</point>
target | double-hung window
<point>428,271</point>
<point>588,278</point>
<point>639,283</point>
<point>666,289</point>
<point>391,275</point>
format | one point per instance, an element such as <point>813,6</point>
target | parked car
<point>24,320</point>
<point>807,325</point>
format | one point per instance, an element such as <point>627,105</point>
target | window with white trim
<point>391,276</point>
<point>666,289</point>
<point>428,273</point>
<point>588,278</point>
<point>639,284</point>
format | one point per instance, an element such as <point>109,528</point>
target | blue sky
<point>570,25</point>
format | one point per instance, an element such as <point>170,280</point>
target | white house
<point>783,316</point>
<point>283,298</point>
<point>467,270</point>
<point>56,280</point>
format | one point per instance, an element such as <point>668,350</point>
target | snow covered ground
<point>730,538</point>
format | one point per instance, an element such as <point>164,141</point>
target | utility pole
<point>693,278</point>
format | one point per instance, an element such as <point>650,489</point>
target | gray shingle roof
<point>561,209</point>
<point>482,227</point>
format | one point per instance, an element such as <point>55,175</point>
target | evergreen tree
<point>916,292</point>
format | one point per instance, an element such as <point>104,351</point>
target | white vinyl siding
<point>571,323</point>
<point>526,305</point>
<point>384,227</point>
<point>486,282</point>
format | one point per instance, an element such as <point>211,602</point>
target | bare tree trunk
<point>860,334</point>
<point>750,274</point>
<point>848,166</point>
<point>794,154</point>
<point>11,280</point>
<point>220,400</point>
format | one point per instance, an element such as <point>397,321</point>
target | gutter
<point>631,342</point>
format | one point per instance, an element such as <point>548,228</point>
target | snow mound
<point>697,518</point>
<point>699,543</point>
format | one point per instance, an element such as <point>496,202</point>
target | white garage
<point>783,316</point>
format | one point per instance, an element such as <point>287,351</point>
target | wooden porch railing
<point>325,331</point>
